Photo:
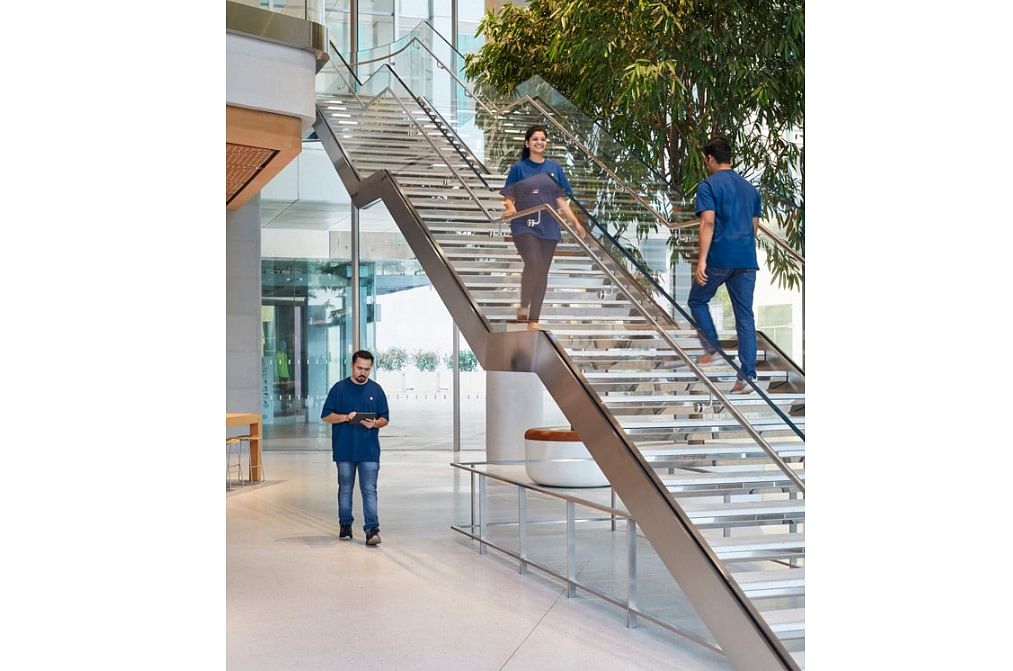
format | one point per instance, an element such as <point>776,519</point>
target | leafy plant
<point>466,360</point>
<point>394,358</point>
<point>663,77</point>
<point>426,360</point>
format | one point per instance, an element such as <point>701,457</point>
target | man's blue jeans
<point>740,283</point>
<point>368,470</point>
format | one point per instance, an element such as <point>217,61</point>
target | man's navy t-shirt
<point>351,442</point>
<point>735,202</point>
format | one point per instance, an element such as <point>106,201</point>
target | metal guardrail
<point>480,523</point>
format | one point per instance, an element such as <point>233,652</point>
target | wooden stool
<point>237,443</point>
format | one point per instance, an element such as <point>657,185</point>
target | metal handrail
<point>450,72</point>
<point>425,135</point>
<point>782,244</point>
<point>464,145</point>
<point>447,124</point>
<point>470,467</point>
<point>351,71</point>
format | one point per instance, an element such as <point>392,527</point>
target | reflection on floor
<point>424,599</point>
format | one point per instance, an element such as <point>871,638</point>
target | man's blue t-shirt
<point>735,202</point>
<point>351,442</point>
<point>531,184</point>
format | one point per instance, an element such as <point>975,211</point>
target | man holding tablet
<point>356,409</point>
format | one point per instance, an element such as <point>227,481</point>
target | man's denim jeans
<point>740,283</point>
<point>368,471</point>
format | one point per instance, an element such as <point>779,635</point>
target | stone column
<point>513,404</point>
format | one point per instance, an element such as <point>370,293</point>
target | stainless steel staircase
<point>715,481</point>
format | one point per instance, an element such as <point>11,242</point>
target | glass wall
<point>306,338</point>
<point>376,23</point>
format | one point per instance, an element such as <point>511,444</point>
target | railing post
<point>483,513</point>
<point>793,528</point>
<point>613,513</point>
<point>522,526</point>
<point>356,282</point>
<point>571,552</point>
<point>727,530</point>
<point>457,391</point>
<point>631,572</point>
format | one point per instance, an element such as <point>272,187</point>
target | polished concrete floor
<point>424,599</point>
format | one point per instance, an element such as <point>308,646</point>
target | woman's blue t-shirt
<point>530,184</point>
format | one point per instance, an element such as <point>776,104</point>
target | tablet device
<point>359,416</point>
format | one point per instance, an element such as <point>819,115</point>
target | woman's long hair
<point>525,152</point>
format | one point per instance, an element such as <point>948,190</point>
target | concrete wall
<point>270,77</point>
<point>242,325</point>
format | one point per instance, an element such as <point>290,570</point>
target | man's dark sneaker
<point>346,532</point>
<point>373,537</point>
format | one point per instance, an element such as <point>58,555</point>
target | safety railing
<point>481,528</point>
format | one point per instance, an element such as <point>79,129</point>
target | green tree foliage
<point>426,360</point>
<point>394,358</point>
<point>466,359</point>
<point>665,76</point>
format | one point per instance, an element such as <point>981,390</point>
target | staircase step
<point>773,583</point>
<point>656,400</point>
<point>513,282</point>
<point>637,423</point>
<point>658,356</point>
<point>637,377</point>
<point>749,479</point>
<point>720,514</point>
<point>759,547</point>
<point>556,298</point>
<point>663,451</point>
<point>788,624</point>
<point>621,334</point>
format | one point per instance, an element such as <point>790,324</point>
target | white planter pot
<point>576,468</point>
